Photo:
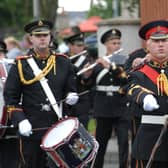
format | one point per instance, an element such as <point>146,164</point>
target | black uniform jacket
<point>109,103</point>
<point>81,108</point>
<point>139,85</point>
<point>32,97</point>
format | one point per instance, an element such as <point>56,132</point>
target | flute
<point>94,64</point>
<point>77,55</point>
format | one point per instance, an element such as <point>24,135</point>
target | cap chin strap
<point>45,86</point>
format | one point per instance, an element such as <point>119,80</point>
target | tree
<point>104,8</point>
<point>16,13</point>
<point>48,9</point>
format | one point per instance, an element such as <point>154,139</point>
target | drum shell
<point>63,153</point>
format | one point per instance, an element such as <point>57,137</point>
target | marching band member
<point>109,102</point>
<point>76,46</point>
<point>148,88</point>
<point>136,59</point>
<point>9,153</point>
<point>25,83</point>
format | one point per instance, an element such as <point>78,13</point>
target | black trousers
<point>32,155</point>
<point>103,134</point>
<point>9,153</point>
<point>135,123</point>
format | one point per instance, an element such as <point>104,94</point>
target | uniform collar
<point>158,65</point>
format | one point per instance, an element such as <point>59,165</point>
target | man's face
<point>112,45</point>
<point>40,41</point>
<point>76,48</point>
<point>158,49</point>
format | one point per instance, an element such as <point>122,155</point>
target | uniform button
<point>111,79</point>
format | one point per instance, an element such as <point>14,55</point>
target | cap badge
<point>158,28</point>
<point>40,23</point>
<point>113,32</point>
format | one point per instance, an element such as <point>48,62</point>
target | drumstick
<point>6,126</point>
<point>40,129</point>
<point>12,126</point>
<point>79,94</point>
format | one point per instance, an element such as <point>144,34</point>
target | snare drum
<point>69,145</point>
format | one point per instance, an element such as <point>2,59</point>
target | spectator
<point>13,47</point>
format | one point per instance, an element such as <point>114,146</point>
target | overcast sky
<point>74,5</point>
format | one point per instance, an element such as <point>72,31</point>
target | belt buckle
<point>45,107</point>
<point>109,93</point>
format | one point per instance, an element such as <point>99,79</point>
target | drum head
<point>60,132</point>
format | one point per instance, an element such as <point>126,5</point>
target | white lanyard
<point>45,86</point>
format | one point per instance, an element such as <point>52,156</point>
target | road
<point>111,157</point>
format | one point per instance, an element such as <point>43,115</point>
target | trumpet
<point>77,55</point>
<point>94,64</point>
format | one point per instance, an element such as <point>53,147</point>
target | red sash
<point>150,73</point>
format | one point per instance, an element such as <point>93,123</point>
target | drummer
<point>147,87</point>
<point>9,153</point>
<point>37,111</point>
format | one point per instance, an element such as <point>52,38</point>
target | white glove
<point>25,128</point>
<point>150,103</point>
<point>72,98</point>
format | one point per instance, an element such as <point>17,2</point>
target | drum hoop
<point>58,159</point>
<point>67,138</point>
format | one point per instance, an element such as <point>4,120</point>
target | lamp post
<point>36,9</point>
<point>115,7</point>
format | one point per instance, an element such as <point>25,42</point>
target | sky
<point>74,5</point>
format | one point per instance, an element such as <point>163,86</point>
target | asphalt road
<point>111,157</point>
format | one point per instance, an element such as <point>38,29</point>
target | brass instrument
<point>94,64</point>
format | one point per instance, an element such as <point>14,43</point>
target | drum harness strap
<point>45,86</point>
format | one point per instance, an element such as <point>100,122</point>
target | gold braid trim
<point>50,64</point>
<point>139,87</point>
<point>162,83</point>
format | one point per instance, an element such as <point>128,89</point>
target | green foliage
<point>102,9</point>
<point>92,126</point>
<point>16,13</point>
<point>132,4</point>
<point>48,9</point>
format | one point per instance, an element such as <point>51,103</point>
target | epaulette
<point>61,55</point>
<point>53,52</point>
<point>138,52</point>
<point>138,66</point>
<point>21,57</point>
